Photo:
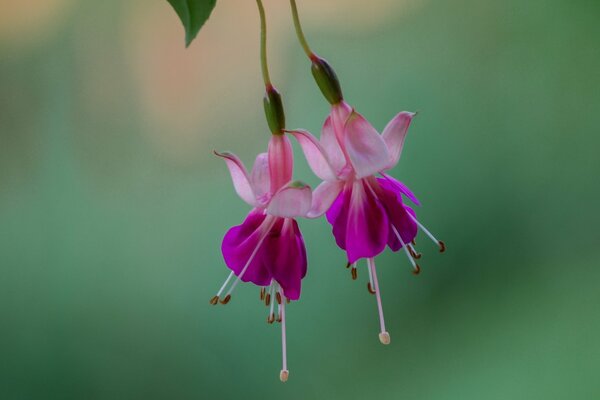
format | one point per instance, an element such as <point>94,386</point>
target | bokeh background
<point>112,206</point>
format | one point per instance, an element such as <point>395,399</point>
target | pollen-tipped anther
<point>348,264</point>
<point>354,273</point>
<point>384,338</point>
<point>226,299</point>
<point>284,375</point>
<point>278,297</point>
<point>271,318</point>
<point>214,300</point>
<point>442,246</point>
<point>416,270</point>
<point>262,293</point>
<point>268,299</point>
<point>370,288</point>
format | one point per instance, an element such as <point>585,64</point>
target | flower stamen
<point>416,268</point>
<point>441,244</point>
<point>370,283</point>
<point>384,336</point>
<point>284,374</point>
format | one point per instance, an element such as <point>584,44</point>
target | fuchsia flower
<point>267,249</point>
<point>367,212</point>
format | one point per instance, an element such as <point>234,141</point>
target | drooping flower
<point>364,205</point>
<point>267,249</point>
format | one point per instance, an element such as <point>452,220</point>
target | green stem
<point>299,33</point>
<point>263,44</point>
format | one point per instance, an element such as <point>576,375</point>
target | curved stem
<point>299,33</point>
<point>263,44</point>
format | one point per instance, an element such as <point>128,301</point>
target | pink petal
<point>394,133</point>
<point>239,176</point>
<point>293,200</point>
<point>259,176</point>
<point>323,197</point>
<point>281,161</point>
<point>332,135</point>
<point>366,149</point>
<point>315,155</point>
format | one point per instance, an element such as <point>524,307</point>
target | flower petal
<point>285,257</point>
<point>315,155</point>
<point>337,216</point>
<point>323,197</point>
<point>366,149</point>
<point>400,188</point>
<point>332,135</point>
<point>397,213</point>
<point>241,243</point>
<point>259,176</point>
<point>360,224</point>
<point>239,176</point>
<point>368,225</point>
<point>281,161</point>
<point>293,200</point>
<point>394,133</point>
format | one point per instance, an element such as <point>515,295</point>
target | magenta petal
<point>398,216</point>
<point>285,256</point>
<point>368,226</point>
<point>396,186</point>
<point>240,242</point>
<point>337,216</point>
<point>360,224</point>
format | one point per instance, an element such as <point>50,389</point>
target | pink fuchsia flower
<point>364,205</point>
<point>267,249</point>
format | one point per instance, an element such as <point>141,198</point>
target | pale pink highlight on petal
<point>291,201</point>
<point>394,134</point>
<point>323,197</point>
<point>281,162</point>
<point>259,177</point>
<point>315,155</point>
<point>239,176</point>
<point>331,145</point>
<point>366,149</point>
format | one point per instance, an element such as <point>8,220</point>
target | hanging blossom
<point>363,204</point>
<point>267,249</point>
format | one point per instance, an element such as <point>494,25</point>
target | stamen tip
<point>354,274</point>
<point>348,264</point>
<point>417,270</point>
<point>370,288</point>
<point>284,375</point>
<point>214,300</point>
<point>384,338</point>
<point>226,299</point>
<point>442,246</point>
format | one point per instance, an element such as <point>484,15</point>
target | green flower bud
<point>274,110</point>
<point>326,80</point>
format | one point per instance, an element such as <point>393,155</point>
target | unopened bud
<point>326,80</point>
<point>274,110</point>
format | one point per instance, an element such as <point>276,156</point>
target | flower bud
<point>274,110</point>
<point>326,80</point>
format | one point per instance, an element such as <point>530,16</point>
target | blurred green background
<point>112,206</point>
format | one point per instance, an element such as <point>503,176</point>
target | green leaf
<point>193,14</point>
